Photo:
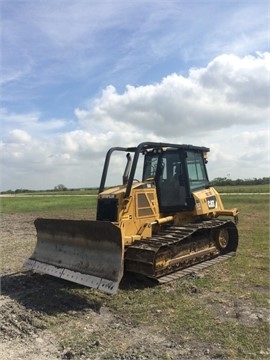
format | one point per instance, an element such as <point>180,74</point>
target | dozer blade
<point>89,253</point>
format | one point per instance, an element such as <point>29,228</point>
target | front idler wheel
<point>222,239</point>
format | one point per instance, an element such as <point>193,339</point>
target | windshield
<point>196,170</point>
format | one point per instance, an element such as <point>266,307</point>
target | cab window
<point>196,171</point>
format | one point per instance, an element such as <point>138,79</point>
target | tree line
<point>225,181</point>
<point>219,181</point>
<point>57,188</point>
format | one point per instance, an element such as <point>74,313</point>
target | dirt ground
<point>30,304</point>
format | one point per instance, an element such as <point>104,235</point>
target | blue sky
<point>78,77</point>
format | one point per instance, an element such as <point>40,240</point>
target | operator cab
<point>177,170</point>
<point>177,173</point>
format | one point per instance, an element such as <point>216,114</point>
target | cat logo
<point>211,202</point>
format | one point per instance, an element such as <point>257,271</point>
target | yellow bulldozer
<point>163,226</point>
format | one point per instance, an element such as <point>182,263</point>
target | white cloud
<point>19,136</point>
<point>31,122</point>
<point>222,105</point>
<point>190,81</point>
<point>240,80</point>
<point>241,153</point>
<point>229,91</point>
<point>119,42</point>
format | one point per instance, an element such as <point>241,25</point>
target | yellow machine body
<point>168,221</point>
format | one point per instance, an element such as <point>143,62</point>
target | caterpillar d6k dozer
<point>163,226</point>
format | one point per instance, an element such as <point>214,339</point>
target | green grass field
<point>244,189</point>
<point>228,304</point>
<point>54,203</point>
